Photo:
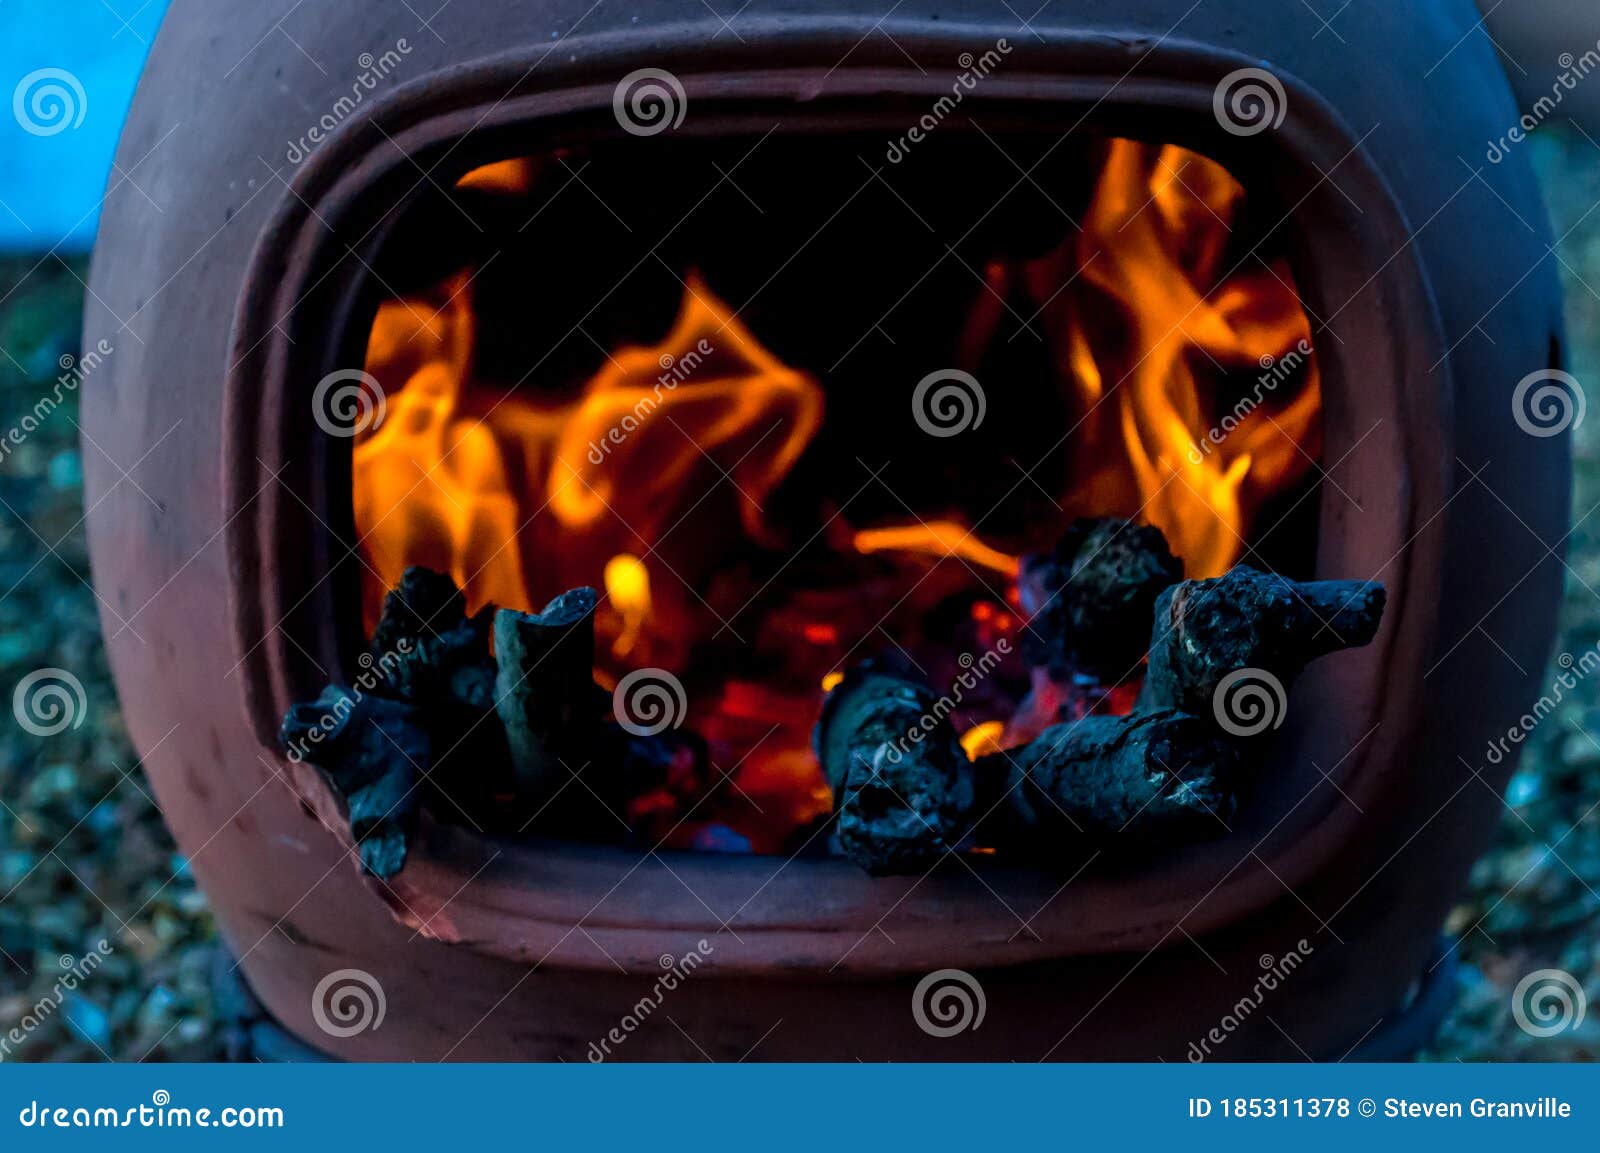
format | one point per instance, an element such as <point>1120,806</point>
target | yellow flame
<point>982,738</point>
<point>941,538</point>
<point>628,588</point>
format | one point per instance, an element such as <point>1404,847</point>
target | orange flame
<point>1148,311</point>
<point>940,538</point>
<point>518,499</point>
<point>1162,309</point>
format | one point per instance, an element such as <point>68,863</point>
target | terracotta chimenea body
<point>232,596</point>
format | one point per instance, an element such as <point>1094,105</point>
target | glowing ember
<point>507,176</point>
<point>983,738</point>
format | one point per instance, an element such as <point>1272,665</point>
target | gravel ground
<point>84,858</point>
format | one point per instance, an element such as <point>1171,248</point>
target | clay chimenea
<point>698,363</point>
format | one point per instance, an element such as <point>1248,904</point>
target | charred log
<point>1160,776</point>
<point>1090,599</point>
<point>902,785</point>
<point>374,751</point>
<point>1208,630</point>
<point>545,692</point>
<point>428,651</point>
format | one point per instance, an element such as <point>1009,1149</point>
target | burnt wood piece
<point>1160,776</point>
<point>424,602</point>
<point>426,650</point>
<point>374,751</point>
<point>1208,629</point>
<point>902,785</point>
<point>1090,599</point>
<point>545,692</point>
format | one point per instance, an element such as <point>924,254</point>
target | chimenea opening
<point>595,373</point>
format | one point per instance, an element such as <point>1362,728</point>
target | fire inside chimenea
<point>800,456</point>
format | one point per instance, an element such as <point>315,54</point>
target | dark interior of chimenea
<point>694,374</point>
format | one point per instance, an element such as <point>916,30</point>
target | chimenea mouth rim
<point>526,900</point>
